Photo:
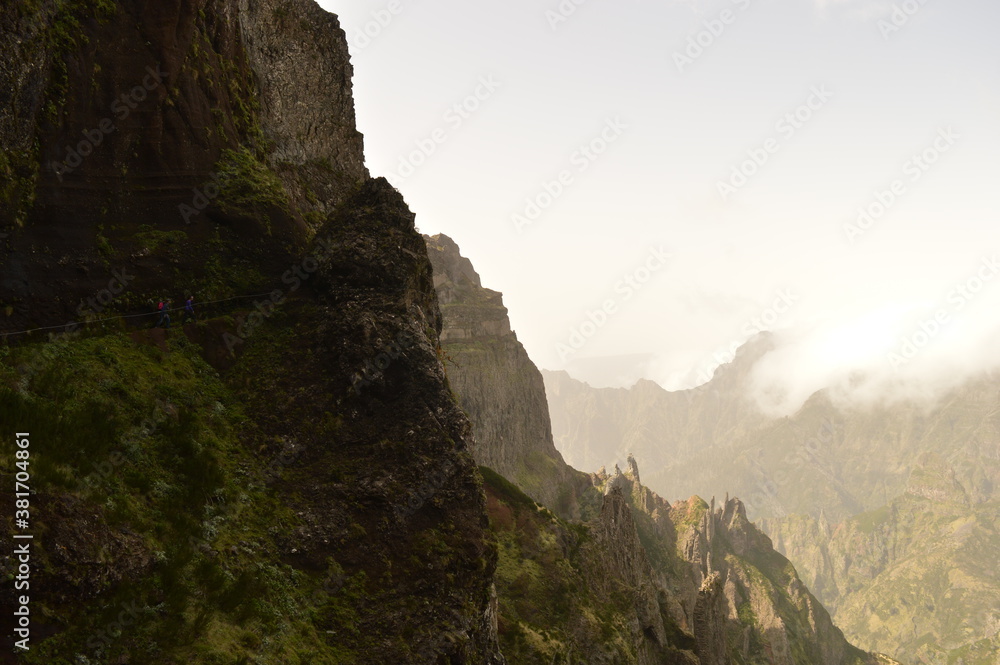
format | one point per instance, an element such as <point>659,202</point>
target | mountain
<point>498,385</point>
<point>612,572</point>
<point>916,577</point>
<point>863,499</point>
<point>290,478</point>
<point>841,459</point>
<point>598,427</point>
<point>240,489</point>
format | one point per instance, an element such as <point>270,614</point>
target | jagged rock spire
<point>633,468</point>
<point>617,481</point>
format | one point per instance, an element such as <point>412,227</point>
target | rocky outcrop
<point>620,564</point>
<point>731,589</point>
<point>682,591</point>
<point>498,385</point>
<point>299,54</point>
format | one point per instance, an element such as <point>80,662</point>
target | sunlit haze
<point>651,184</point>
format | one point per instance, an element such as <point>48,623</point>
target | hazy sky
<point>740,137</point>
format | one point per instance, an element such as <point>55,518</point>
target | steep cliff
<point>498,385</point>
<point>236,489</point>
<point>143,139</point>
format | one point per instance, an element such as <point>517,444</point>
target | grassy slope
<point>937,601</point>
<point>547,611</point>
<point>147,441</point>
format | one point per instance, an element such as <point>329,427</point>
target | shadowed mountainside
<point>225,491</point>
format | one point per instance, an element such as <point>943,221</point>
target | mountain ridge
<point>700,584</point>
<point>841,489</point>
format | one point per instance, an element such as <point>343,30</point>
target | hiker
<point>189,310</point>
<point>164,320</point>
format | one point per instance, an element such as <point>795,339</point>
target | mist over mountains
<point>881,349</point>
<point>886,502</point>
<point>833,453</point>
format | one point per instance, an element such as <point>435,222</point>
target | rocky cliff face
<point>743,600</point>
<point>243,487</point>
<point>143,138</point>
<point>647,582</point>
<point>497,384</point>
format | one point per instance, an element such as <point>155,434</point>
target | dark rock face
<point>233,166</point>
<point>395,461</point>
<point>117,124</point>
<point>299,55</point>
